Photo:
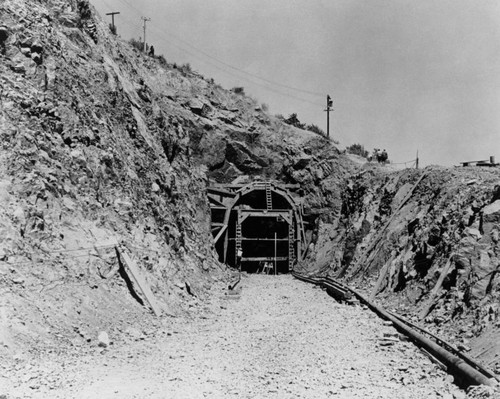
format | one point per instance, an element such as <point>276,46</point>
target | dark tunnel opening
<point>264,224</point>
<point>265,239</point>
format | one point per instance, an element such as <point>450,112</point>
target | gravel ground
<point>278,338</point>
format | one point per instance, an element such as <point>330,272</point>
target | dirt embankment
<point>101,144</point>
<point>399,232</point>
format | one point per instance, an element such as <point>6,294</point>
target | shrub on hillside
<point>357,149</point>
<point>137,44</point>
<point>84,9</point>
<point>293,120</point>
<point>186,68</point>
<point>238,90</point>
<point>162,59</point>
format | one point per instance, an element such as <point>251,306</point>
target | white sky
<point>404,75</point>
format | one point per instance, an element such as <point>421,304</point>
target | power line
<point>226,71</point>
<point>163,32</point>
<point>220,68</point>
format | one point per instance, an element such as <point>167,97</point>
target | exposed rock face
<point>103,145</point>
<point>409,236</point>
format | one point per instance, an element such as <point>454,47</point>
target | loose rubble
<point>103,146</point>
<point>277,338</point>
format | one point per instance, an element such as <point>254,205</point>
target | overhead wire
<point>164,33</point>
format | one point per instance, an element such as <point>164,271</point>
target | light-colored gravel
<point>280,338</point>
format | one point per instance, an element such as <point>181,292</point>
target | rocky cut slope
<point>101,145</point>
<point>426,242</point>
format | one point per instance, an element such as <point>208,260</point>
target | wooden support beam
<point>138,279</point>
<point>219,234</point>
<point>221,192</point>
<point>217,207</point>
<point>264,258</point>
<point>238,186</point>
<point>259,239</point>
<point>215,202</point>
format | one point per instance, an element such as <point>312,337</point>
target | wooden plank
<point>281,212</point>
<point>215,202</point>
<point>222,230</point>
<point>238,186</point>
<point>435,290</point>
<point>259,239</point>
<point>264,258</point>
<point>139,280</point>
<point>221,192</point>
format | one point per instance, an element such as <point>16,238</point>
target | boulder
<point>244,159</point>
<point>302,161</point>
<point>491,212</point>
<point>199,107</point>
<point>491,218</point>
<point>19,68</point>
<point>103,339</point>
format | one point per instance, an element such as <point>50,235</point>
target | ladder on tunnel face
<point>269,198</point>
<point>238,235</point>
<point>291,246</point>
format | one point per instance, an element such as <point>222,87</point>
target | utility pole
<point>145,20</point>
<point>329,104</point>
<point>113,28</point>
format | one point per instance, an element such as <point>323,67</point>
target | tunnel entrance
<point>264,220</point>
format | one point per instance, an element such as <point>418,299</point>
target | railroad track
<point>466,370</point>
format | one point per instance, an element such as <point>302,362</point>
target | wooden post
<point>275,254</point>
<point>113,21</point>
<point>222,230</point>
<point>139,281</point>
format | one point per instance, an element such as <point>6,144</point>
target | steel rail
<point>465,370</point>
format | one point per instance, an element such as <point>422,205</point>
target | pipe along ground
<point>464,374</point>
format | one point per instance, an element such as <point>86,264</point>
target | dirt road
<point>280,338</point>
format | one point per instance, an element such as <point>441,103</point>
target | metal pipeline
<point>464,373</point>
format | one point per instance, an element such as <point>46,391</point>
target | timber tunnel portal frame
<point>263,219</point>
